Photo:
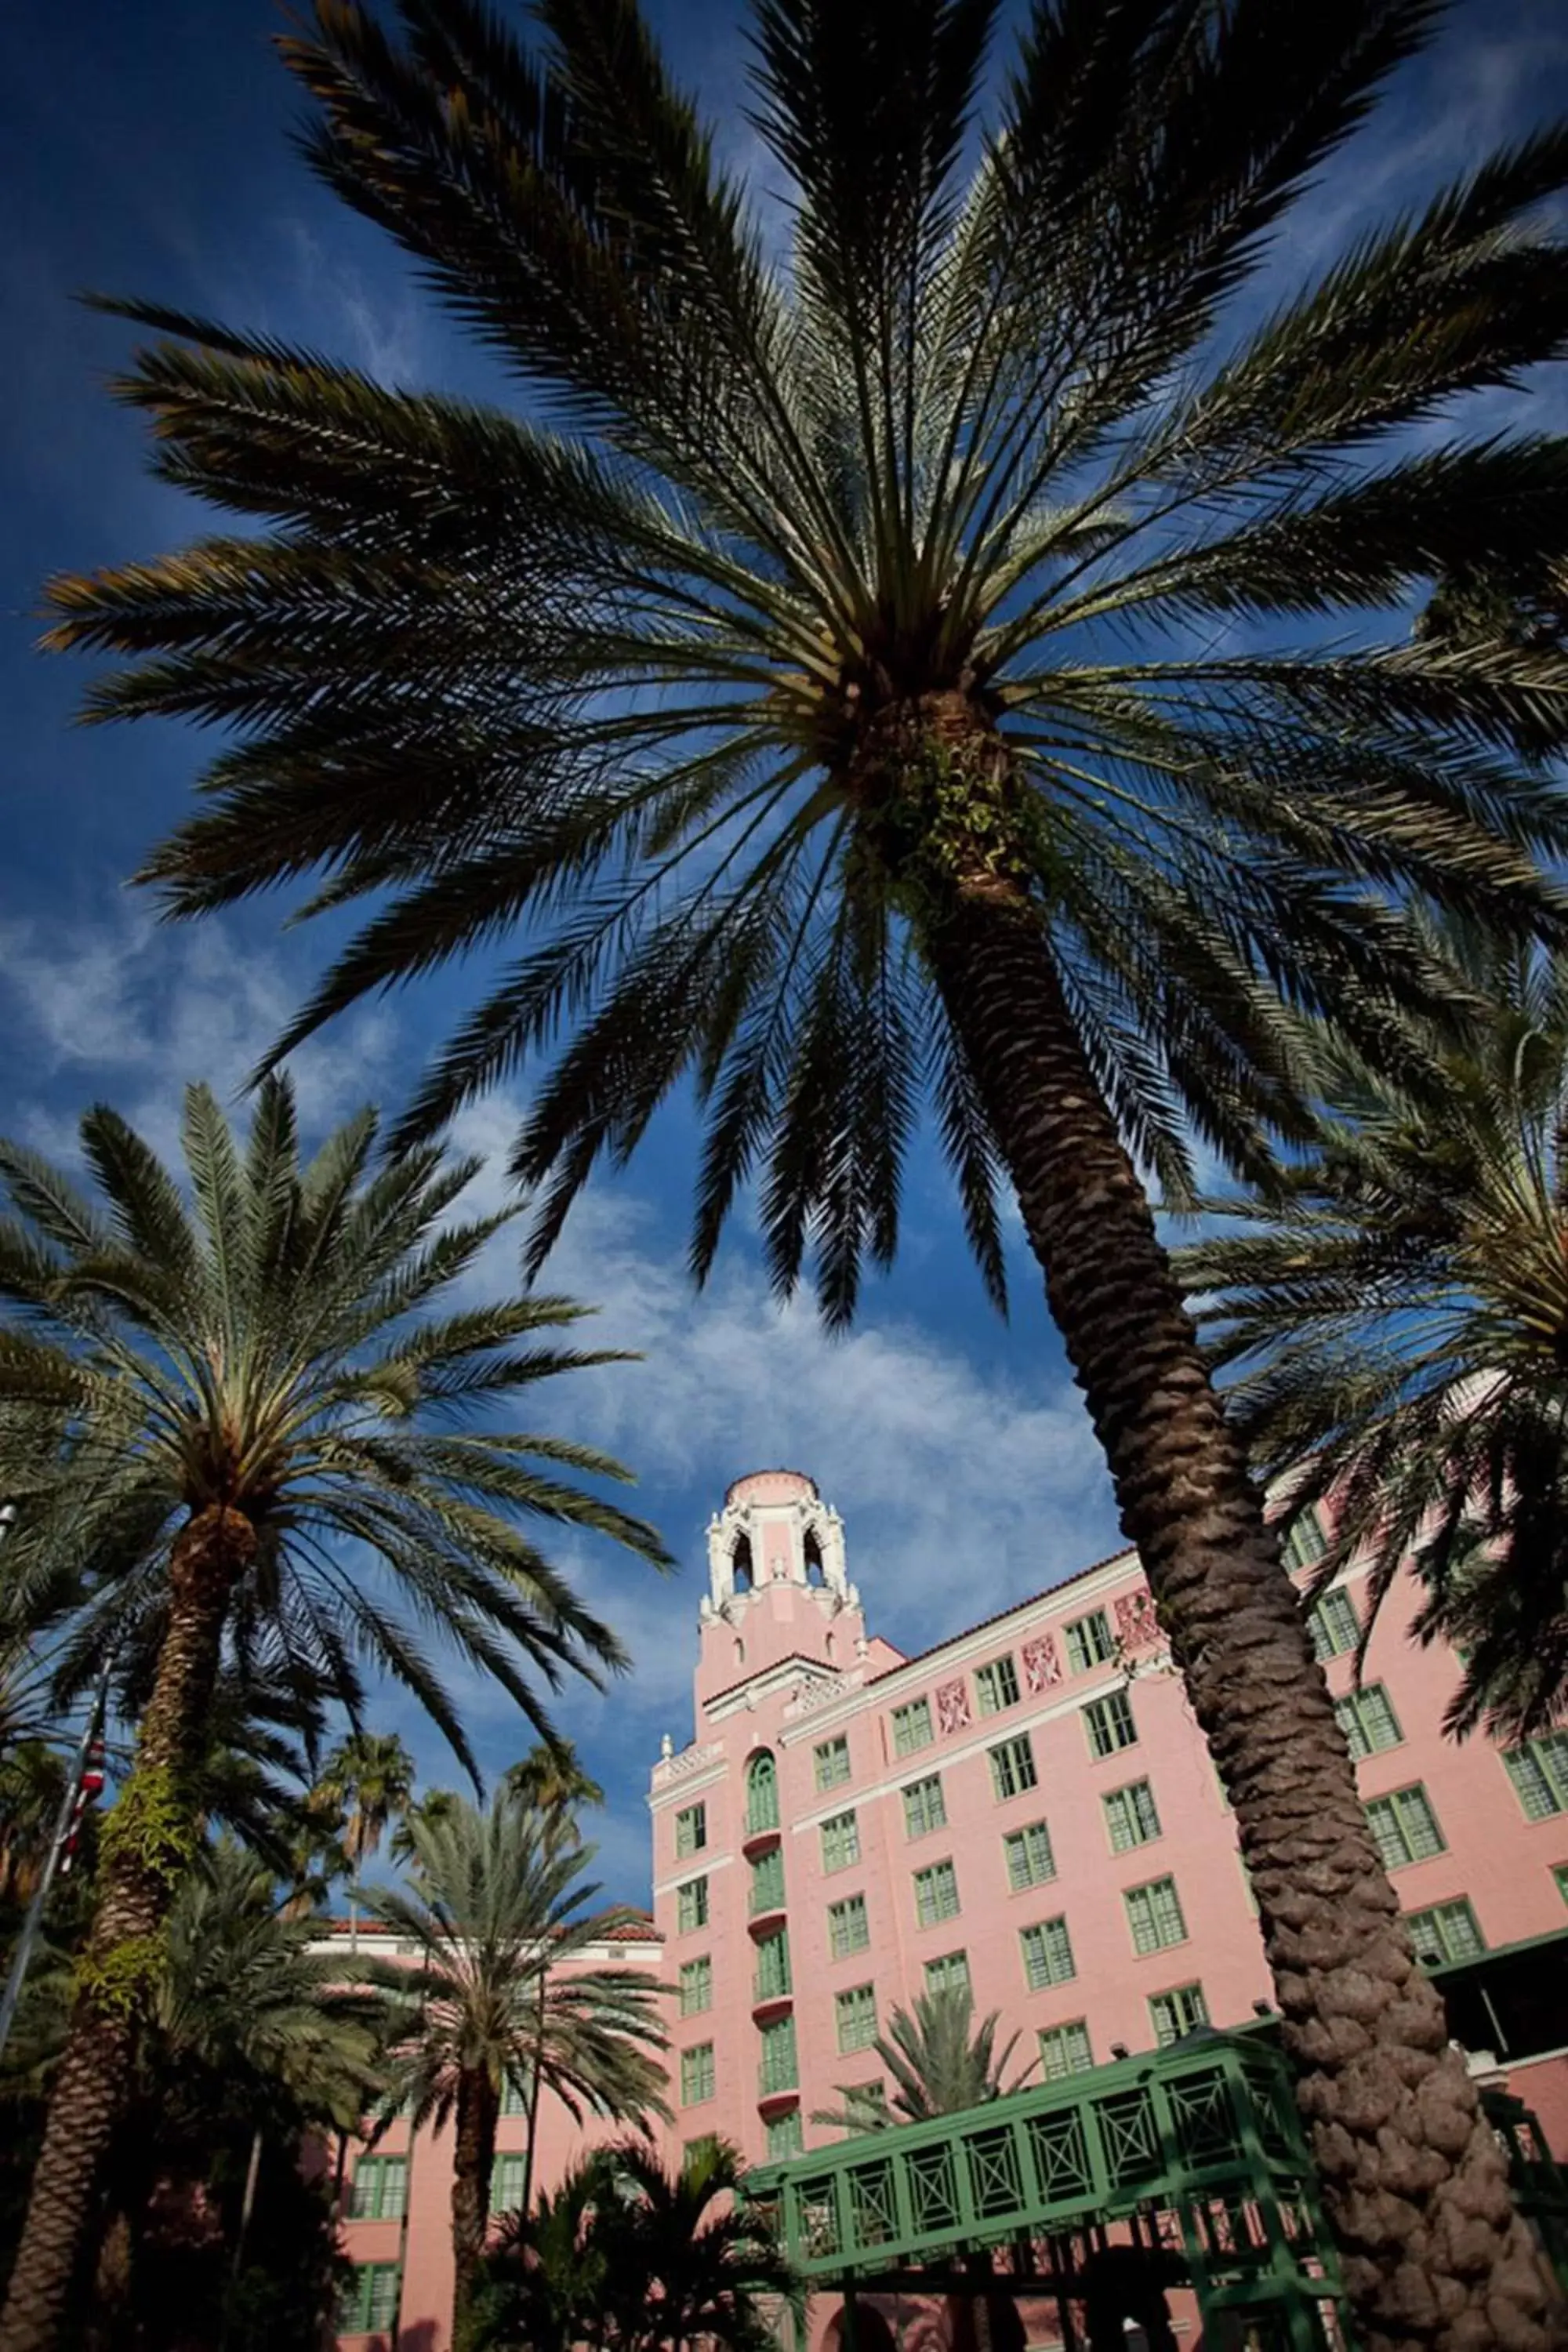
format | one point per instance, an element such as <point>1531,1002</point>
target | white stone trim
<point>684,1877</point>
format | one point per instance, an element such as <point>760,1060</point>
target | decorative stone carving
<point>952,1705</point>
<point>1042,1667</point>
<point>1137,1627</point>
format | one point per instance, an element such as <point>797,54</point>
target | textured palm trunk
<point>1415,2186</point>
<point>143,1852</point>
<point>473,2157</point>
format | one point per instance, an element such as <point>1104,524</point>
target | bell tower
<point>776,1584</point>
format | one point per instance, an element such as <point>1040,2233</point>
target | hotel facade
<point>1028,1809</point>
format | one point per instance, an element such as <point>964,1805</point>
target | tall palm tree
<point>365,1781</point>
<point>553,1778</point>
<point>499,1914</point>
<point>940,2062</point>
<point>899,675</point>
<point>242,1420</point>
<point>1398,1306</point>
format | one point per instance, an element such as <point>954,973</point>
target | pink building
<point>1030,1809</point>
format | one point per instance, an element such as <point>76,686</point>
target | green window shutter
<point>514,2098</point>
<point>772,1977</point>
<point>1404,1827</point>
<point>1333,1624</point>
<point>767,1883</point>
<point>370,2299</point>
<point>1539,1771</point>
<point>1065,2050</point>
<point>924,1807</point>
<point>936,1894</point>
<point>997,1687</point>
<point>1130,1816</point>
<point>1368,1721</point>
<point>696,1986</point>
<point>1154,1914</point>
<point>779,2070</point>
<point>849,1929</point>
<point>830,1762</point>
<point>948,1974</point>
<point>840,1842</point>
<point>1047,1955</point>
<point>690,1830</point>
<point>1108,1724</point>
<point>1030,1860</point>
<point>855,2017</point>
<point>1181,2011</point>
<point>1089,1641</point>
<point>506,2183</point>
<point>762,1795</point>
<point>1306,1543</point>
<point>913,1727</point>
<point>785,2137</point>
<point>692,1906</point>
<point>1446,1931</point>
<point>1011,1767</point>
<point>697,2074</point>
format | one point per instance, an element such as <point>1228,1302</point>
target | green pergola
<point>1194,2155</point>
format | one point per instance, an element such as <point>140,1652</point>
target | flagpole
<point>21,1959</point>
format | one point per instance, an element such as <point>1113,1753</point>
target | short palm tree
<point>369,1776</point>
<point>241,1421</point>
<point>553,1778</point>
<point>1397,1306</point>
<point>954,666</point>
<point>939,2062</point>
<point>546,2281</point>
<point>499,1914</point>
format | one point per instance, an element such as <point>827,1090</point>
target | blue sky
<point>147,152</point>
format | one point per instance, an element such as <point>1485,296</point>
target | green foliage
<point>119,1982</point>
<point>1004,455</point>
<point>151,1827</point>
<point>938,2061</point>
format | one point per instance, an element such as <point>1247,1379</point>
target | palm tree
<point>940,2063</point>
<point>1398,1302</point>
<point>553,1778</point>
<point>435,1806</point>
<point>900,676</point>
<point>497,1912</point>
<point>242,1421</point>
<point>546,2280</point>
<point>366,1780</point>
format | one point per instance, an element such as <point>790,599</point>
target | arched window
<point>762,1793</point>
<point>813,1569</point>
<point>741,1564</point>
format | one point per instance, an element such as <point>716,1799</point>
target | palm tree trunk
<point>471,2162</point>
<point>1434,2253</point>
<point>147,1842</point>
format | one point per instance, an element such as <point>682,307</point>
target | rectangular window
<point>996,1686</point>
<point>1047,1955</point>
<point>698,2151</point>
<point>690,1830</point>
<point>855,2014</point>
<point>1154,1916</point>
<point>1447,1931</point>
<point>1011,1767</point>
<point>1089,1641</point>
<point>767,1883</point>
<point>1064,2050</point>
<point>1108,1723</point>
<point>840,1842</point>
<point>697,2074</point>
<point>912,1726</point>
<point>380,2189</point>
<point>692,1906</point>
<point>779,2070</point>
<point>1368,1721</point>
<point>696,1986</point>
<point>924,1809</point>
<point>772,1980</point>
<point>785,2136</point>
<point>1404,1827</point>
<point>948,1974</point>
<point>1030,1860</point>
<point>1305,1545</point>
<point>847,1930</point>
<point>506,2183</point>
<point>1130,1816</point>
<point>1561,1876</point>
<point>1334,1625</point>
<point>831,1762</point>
<point>370,2299</point>
<point>1539,1771</point>
<point>514,2098</point>
<point>936,1894</point>
<point>1181,2011</point>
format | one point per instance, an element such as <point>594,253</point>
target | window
<point>506,2183</point>
<point>692,1906</point>
<point>762,1794</point>
<point>1130,1816</point>
<point>1305,1545</point>
<point>1334,1625</point>
<point>1089,1641</point>
<point>370,2299</point>
<point>1154,1916</point>
<point>1030,1860</point>
<point>936,1894</point>
<point>948,1974</point>
<point>1448,1931</point>
<point>855,2014</point>
<point>697,2074</point>
<point>696,1986</point>
<point>767,1883</point>
<point>698,2151</point>
<point>514,2098</point>
<point>772,1980</point>
<point>996,1686</point>
<point>1011,1767</point>
<point>1404,1826</point>
<point>840,1842</point>
<point>380,2190</point>
<point>831,1762</point>
<point>1108,1723</point>
<point>1368,1721</point>
<point>690,1830</point>
<point>1064,2050</point>
<point>1047,1955</point>
<point>912,1726</point>
<point>785,2136</point>
<point>1181,2011</point>
<point>924,1809</point>
<point>847,1929</point>
<point>1539,1771</point>
<point>1561,1876</point>
<point>780,2070</point>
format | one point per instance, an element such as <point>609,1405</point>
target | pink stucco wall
<point>786,1665</point>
